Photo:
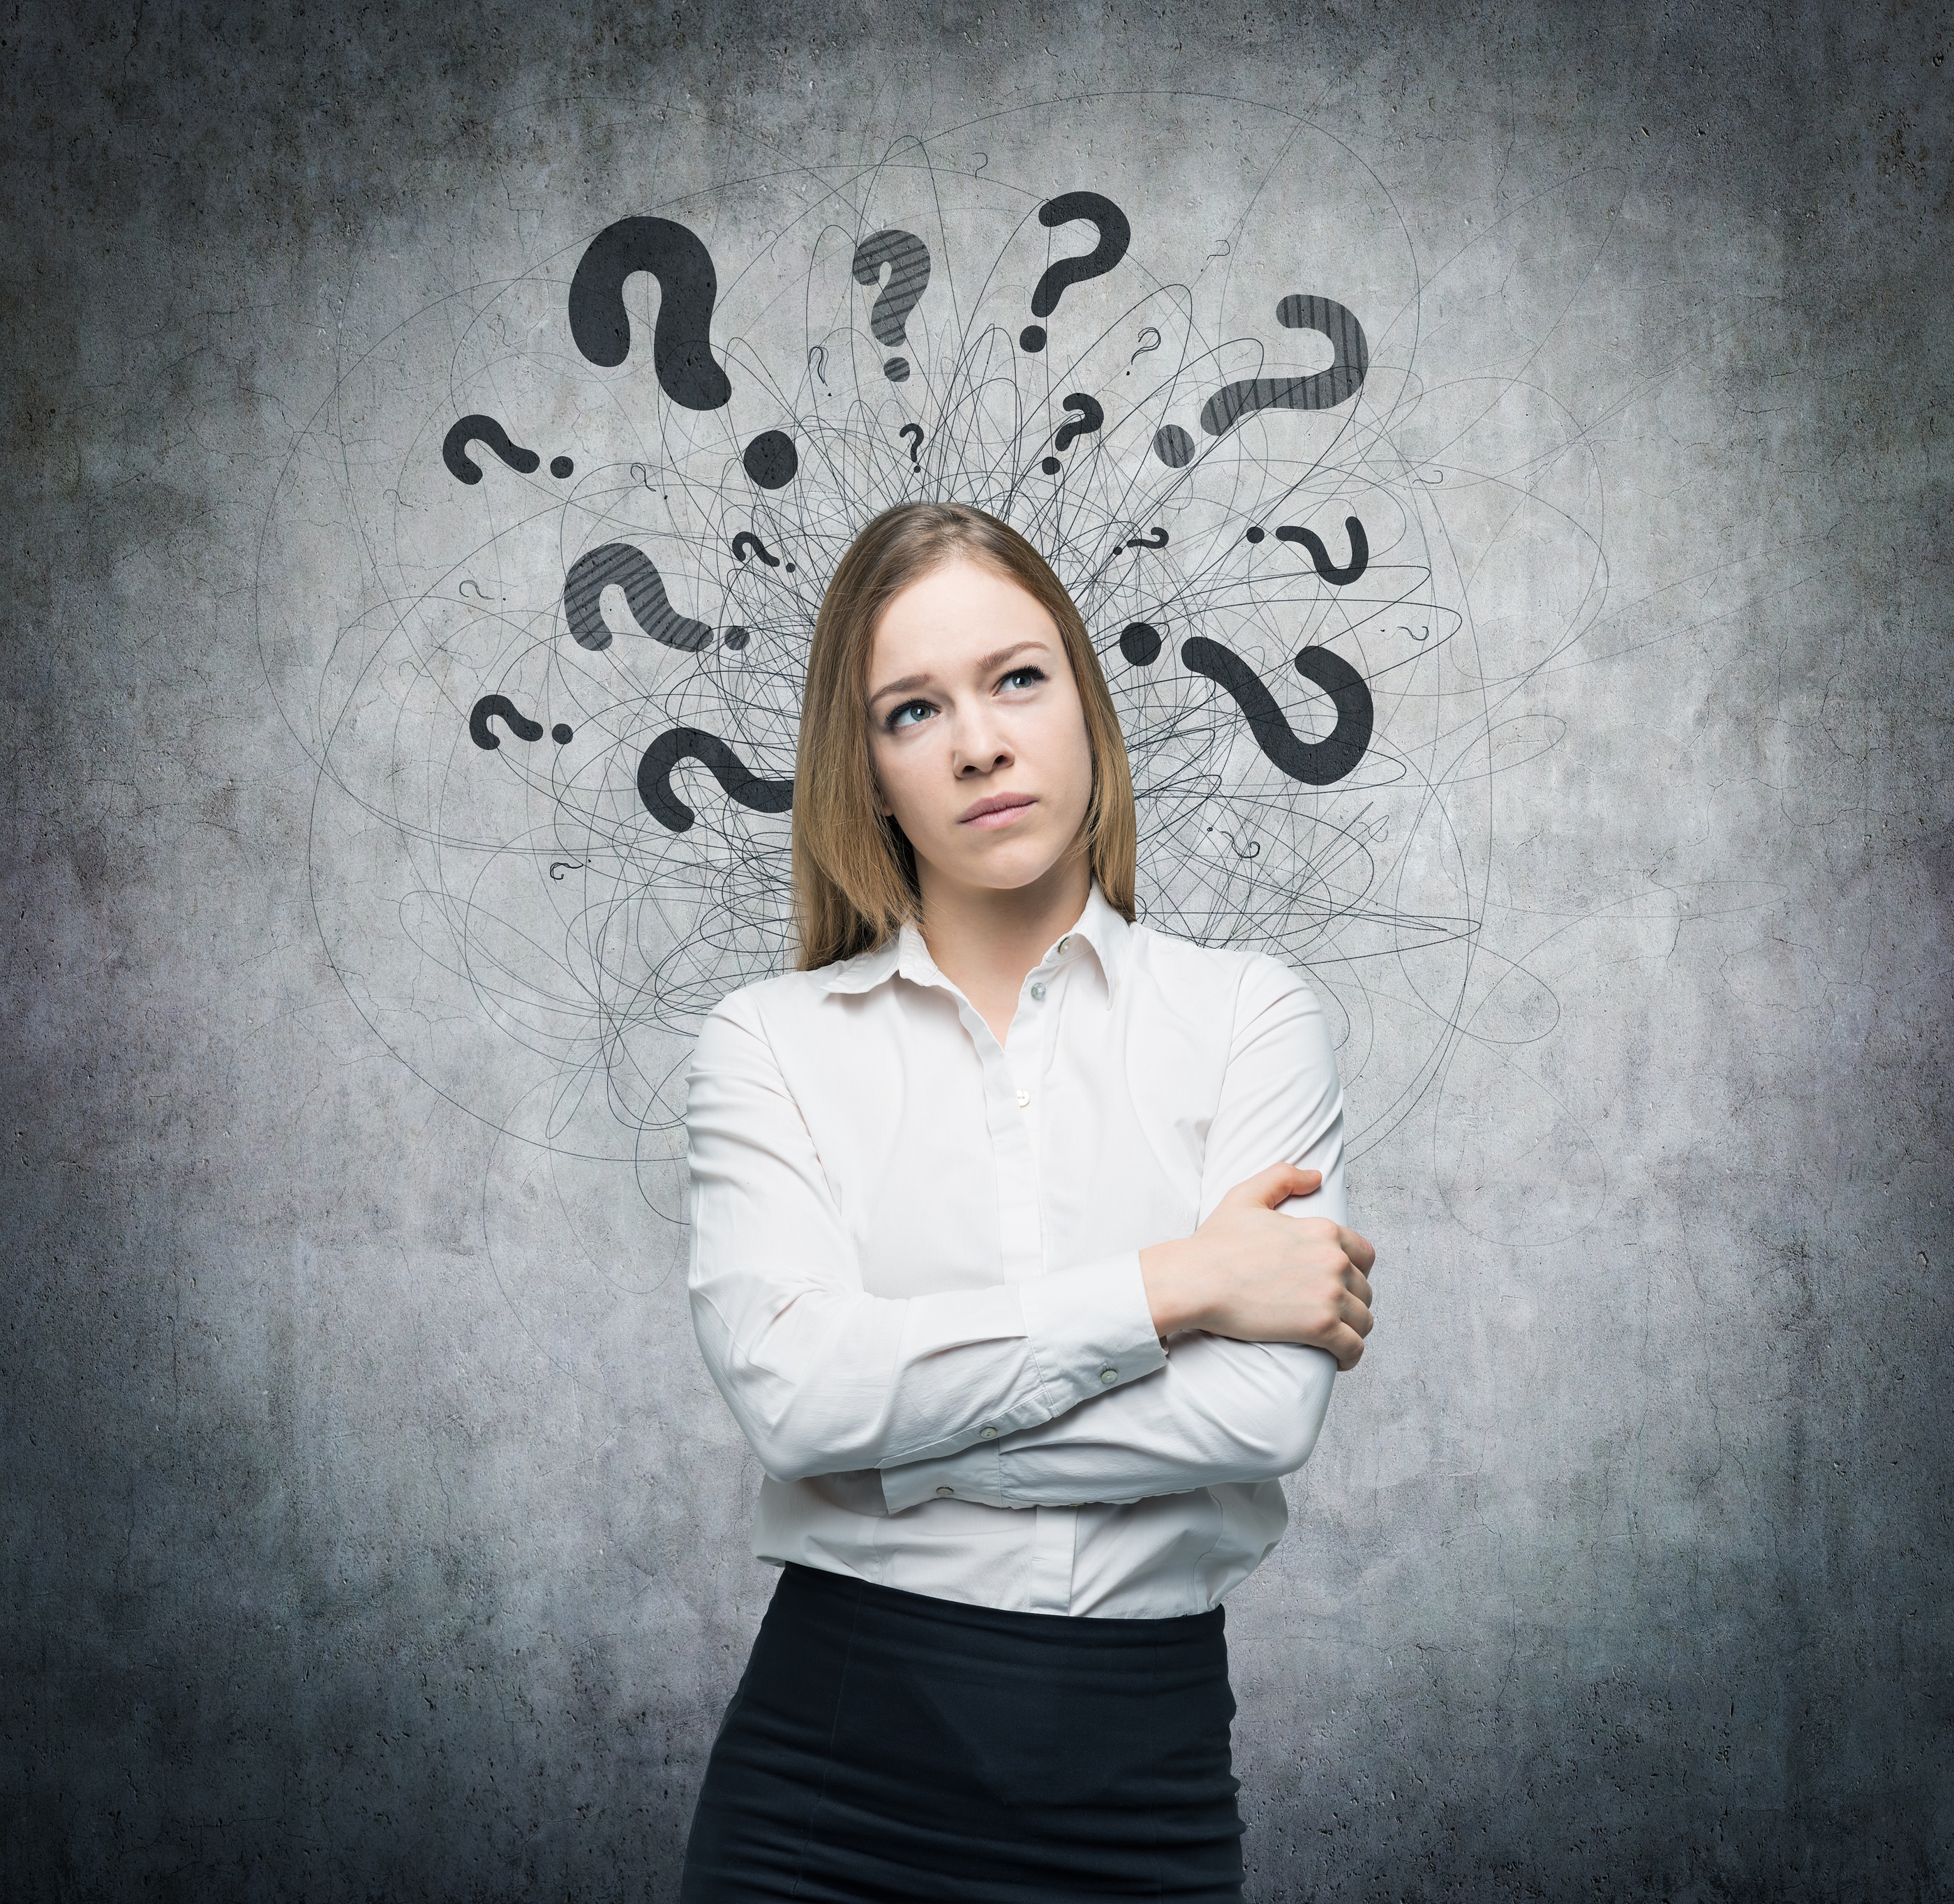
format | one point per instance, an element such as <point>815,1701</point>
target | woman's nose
<point>978,745</point>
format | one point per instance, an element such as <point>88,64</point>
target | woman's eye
<point>899,716</point>
<point>1024,674</point>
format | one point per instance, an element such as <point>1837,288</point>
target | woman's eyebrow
<point>984,666</point>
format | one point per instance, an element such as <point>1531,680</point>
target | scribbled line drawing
<point>739,782</point>
<point>1316,763</point>
<point>631,570</point>
<point>483,429</point>
<point>1323,389</point>
<point>906,258</point>
<point>1115,235</point>
<point>1318,551</point>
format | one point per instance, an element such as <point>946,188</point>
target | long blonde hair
<point>854,870</point>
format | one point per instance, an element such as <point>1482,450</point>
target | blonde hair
<point>855,881</point>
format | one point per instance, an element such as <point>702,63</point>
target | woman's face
<point>972,703</point>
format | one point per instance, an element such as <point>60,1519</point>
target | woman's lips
<point>1001,816</point>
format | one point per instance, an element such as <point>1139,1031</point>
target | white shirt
<point>914,1265</point>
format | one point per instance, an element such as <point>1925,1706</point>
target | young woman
<point>1018,1254</point>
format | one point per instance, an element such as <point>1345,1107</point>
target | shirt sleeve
<point>1219,1410</point>
<point>823,1377</point>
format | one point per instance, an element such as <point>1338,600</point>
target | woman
<point>996,1259</point>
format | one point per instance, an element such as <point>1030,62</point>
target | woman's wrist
<point>1175,1287</point>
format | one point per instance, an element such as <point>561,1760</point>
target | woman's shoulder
<point>792,994</point>
<point>1242,969</point>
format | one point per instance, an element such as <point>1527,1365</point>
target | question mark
<point>519,724</point>
<point>1323,391</point>
<point>482,429</point>
<point>739,783</point>
<point>746,543</point>
<point>915,448</point>
<point>1115,234</point>
<point>820,369</point>
<point>1091,416</point>
<point>1314,763</point>
<point>1319,552</point>
<point>1150,331</point>
<point>907,258</point>
<point>644,588</point>
<point>1154,539</point>
<point>682,342</point>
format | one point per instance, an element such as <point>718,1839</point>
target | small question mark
<point>820,369</point>
<point>915,448</point>
<point>907,259</point>
<point>1153,539</point>
<point>1319,553</point>
<point>631,570</point>
<point>483,429</point>
<point>746,543</point>
<point>1091,417</point>
<point>1150,331</point>
<point>518,724</point>
<point>1115,234</point>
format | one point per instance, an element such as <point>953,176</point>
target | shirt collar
<point>1100,925</point>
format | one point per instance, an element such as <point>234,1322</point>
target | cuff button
<point>987,1433</point>
<point>1109,1376</point>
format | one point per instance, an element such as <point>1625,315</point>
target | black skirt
<point>885,1746</point>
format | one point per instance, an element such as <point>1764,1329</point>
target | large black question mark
<point>1115,234</point>
<point>1090,418</point>
<point>682,338</point>
<point>1314,763</point>
<point>738,782</point>
<point>1322,390</point>
<point>906,258</point>
<point>631,570</point>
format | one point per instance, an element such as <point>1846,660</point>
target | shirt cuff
<point>1089,1331</point>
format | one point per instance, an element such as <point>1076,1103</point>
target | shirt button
<point>946,1490</point>
<point>988,1432</point>
<point>1065,941</point>
<point>1109,1376</point>
<point>1037,991</point>
<point>1024,1098</point>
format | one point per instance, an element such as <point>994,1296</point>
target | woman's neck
<point>985,940</point>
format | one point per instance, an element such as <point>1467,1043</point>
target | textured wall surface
<point>371,1529</point>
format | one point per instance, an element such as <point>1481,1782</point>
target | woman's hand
<point>1254,1274</point>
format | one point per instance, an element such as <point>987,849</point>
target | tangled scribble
<point>1238,476</point>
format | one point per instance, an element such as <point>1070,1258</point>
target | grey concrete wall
<point>370,1529</point>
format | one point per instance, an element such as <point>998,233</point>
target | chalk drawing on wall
<point>555,742</point>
